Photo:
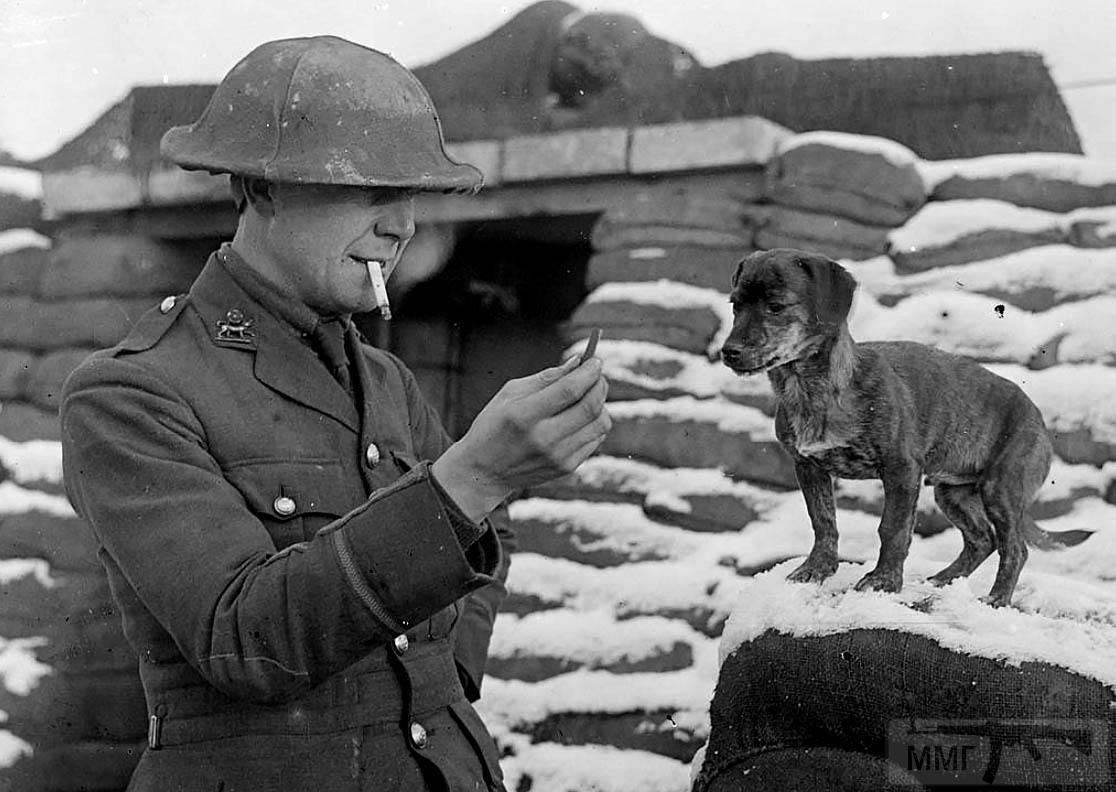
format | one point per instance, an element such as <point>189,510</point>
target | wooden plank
<point>574,197</point>
<point>704,144</point>
<point>563,155</point>
<point>89,189</point>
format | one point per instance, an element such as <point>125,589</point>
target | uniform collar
<point>236,319</point>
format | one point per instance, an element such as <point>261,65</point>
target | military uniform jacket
<point>289,573</point>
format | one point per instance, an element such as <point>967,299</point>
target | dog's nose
<point>730,354</point>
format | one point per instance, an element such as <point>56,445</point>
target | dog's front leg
<point>900,480</point>
<point>817,489</point>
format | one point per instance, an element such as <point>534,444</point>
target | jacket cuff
<point>466,531</point>
<point>400,553</point>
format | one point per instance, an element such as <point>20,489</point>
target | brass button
<point>401,643</point>
<point>372,455</point>
<point>418,735</point>
<point>284,506</point>
<point>167,305</point>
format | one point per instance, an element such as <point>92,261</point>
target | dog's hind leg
<point>1008,488</point>
<point>962,506</point>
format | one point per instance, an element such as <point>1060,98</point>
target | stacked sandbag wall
<point>691,484</point>
<point>75,713</point>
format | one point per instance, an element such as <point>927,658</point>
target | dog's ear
<point>736,275</point>
<point>833,288</point>
<point>744,262</point>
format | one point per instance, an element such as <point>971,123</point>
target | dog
<point>897,411</point>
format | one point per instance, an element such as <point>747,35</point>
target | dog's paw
<point>813,571</point>
<point>878,580</point>
<point>943,578</point>
<point>995,600</point>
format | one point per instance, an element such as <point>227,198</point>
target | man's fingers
<point>564,392</point>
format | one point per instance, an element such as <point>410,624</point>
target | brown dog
<point>896,411</point>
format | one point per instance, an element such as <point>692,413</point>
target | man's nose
<point>397,220</point>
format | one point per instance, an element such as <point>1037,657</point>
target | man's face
<point>320,237</point>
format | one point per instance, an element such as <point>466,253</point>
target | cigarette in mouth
<point>376,275</point>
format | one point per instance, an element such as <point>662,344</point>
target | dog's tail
<point>1051,540</point>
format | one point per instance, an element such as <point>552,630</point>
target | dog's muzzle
<point>744,361</point>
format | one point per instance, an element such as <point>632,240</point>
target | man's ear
<point>833,288</point>
<point>256,193</point>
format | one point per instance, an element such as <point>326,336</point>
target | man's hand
<point>533,430</point>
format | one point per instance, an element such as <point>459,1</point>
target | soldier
<point>307,567</point>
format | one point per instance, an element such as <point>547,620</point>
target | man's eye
<point>775,308</point>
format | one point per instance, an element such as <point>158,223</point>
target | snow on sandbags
<point>674,314</point>
<point>831,235</point>
<point>1091,227</point>
<point>647,370</point>
<point>968,324</point>
<point>700,433</point>
<point>1078,404</point>
<point>871,180</point>
<point>1055,182</point>
<point>707,267</point>
<point>945,233</point>
<point>1035,279</point>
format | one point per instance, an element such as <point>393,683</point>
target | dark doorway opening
<point>496,311</point>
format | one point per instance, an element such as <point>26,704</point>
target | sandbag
<point>828,234</point>
<point>20,422</point>
<point>879,693</point>
<point>122,265</point>
<point>867,179</point>
<point>1055,182</point>
<point>15,371</point>
<point>21,269</point>
<point>611,236</point>
<point>692,433</point>
<point>94,322</point>
<point>960,231</point>
<point>689,329</point>
<point>710,268</point>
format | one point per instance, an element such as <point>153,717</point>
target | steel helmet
<point>321,110</point>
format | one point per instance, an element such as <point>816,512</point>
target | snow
<point>629,475</point>
<point>34,460</point>
<point>1070,273</point>
<point>1070,397</point>
<point>623,361</point>
<point>662,293</point>
<point>895,153</point>
<point>942,223</point>
<point>12,748</point>
<point>593,638</point>
<point>1072,168</point>
<point>966,324</point>
<point>1076,632</point>
<point>23,182</point>
<point>670,294</point>
<point>16,568</point>
<point>18,238</point>
<point>20,670</point>
<point>15,499</point>
<point>727,416</point>
<point>620,528</point>
<point>593,768</point>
